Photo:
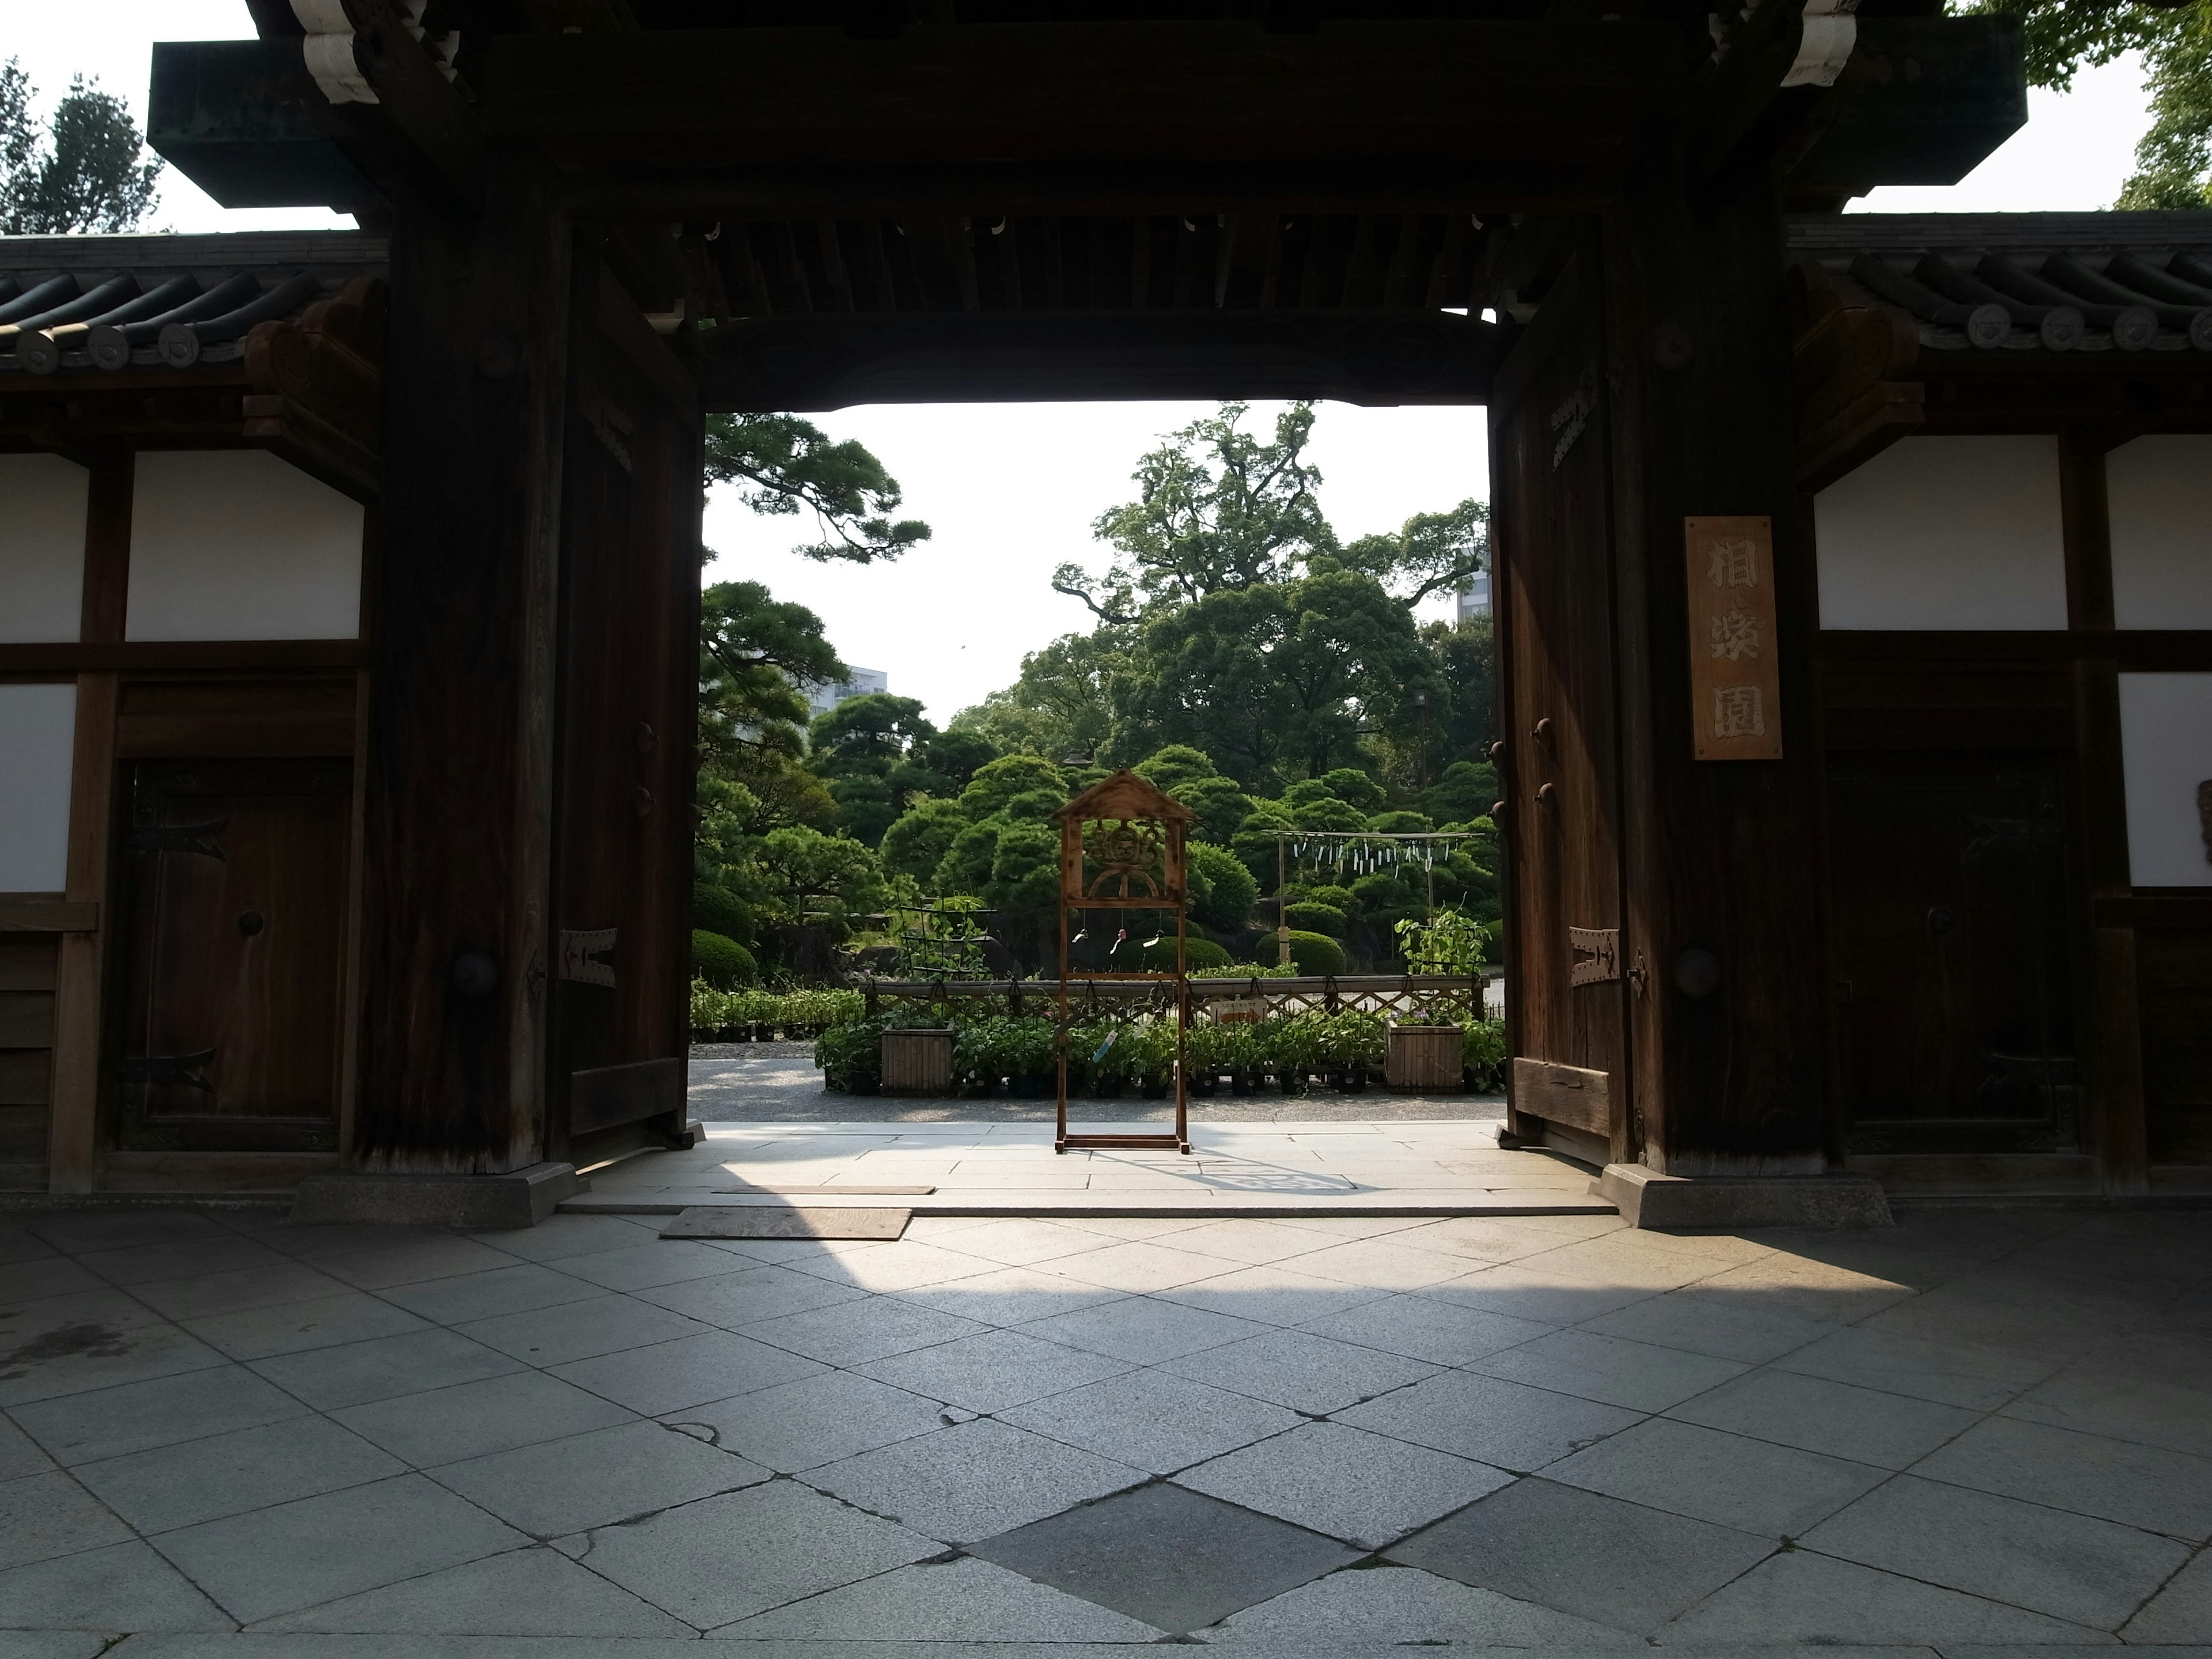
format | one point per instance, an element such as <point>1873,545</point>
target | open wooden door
<point>1555,603</point>
<point>622,834</point>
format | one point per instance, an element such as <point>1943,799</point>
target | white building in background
<point>1475,601</point>
<point>823,698</point>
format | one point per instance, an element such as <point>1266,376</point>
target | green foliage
<point>720,961</point>
<point>783,465</point>
<point>1326,812</point>
<point>719,910</point>
<point>866,747</point>
<point>1467,790</point>
<point>996,785</point>
<point>851,1057</point>
<point>1483,1053</point>
<point>1247,970</point>
<point>916,844</point>
<point>1401,823</point>
<point>1005,1045</point>
<point>791,1013</point>
<point>1058,706</point>
<point>942,940</point>
<point>83,175</point>
<point>1312,953</point>
<point>1317,918</point>
<point>1199,953</point>
<point>1175,765</point>
<point>1450,943</point>
<point>1220,804</point>
<point>1431,552</point>
<point>1223,892</point>
<point>955,756</point>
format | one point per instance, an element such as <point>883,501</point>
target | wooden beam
<point>1076,92</point>
<point>830,361</point>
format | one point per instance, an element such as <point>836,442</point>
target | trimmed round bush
<point>719,910</point>
<point>721,960</point>
<point>1197,953</point>
<point>1311,953</point>
<point>1315,917</point>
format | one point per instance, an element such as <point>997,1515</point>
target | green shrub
<point>795,1014</point>
<point>718,910</point>
<point>1348,1038</point>
<point>1316,917</point>
<point>721,960</point>
<point>850,1057</point>
<point>1246,970</point>
<point>1004,1045</point>
<point>1197,953</point>
<point>1482,1052</point>
<point>1223,892</point>
<point>1312,953</point>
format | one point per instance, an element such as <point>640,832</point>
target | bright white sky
<point>1011,489</point>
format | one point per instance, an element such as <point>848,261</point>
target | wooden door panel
<point>233,877</point>
<point>1957,971</point>
<point>1553,540</point>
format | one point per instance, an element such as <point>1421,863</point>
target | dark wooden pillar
<point>455,946</point>
<point>1720,856</point>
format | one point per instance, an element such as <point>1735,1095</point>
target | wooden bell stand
<point>1135,845</point>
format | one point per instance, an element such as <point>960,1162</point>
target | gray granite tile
<point>1143,1267</point>
<point>692,1370</point>
<point>972,1481</point>
<point>582,1330</point>
<point>2147,1409</point>
<point>990,1372</point>
<point>1507,1425</point>
<point>1520,1290</point>
<point>1304,1371</point>
<point>99,1339</point>
<point>595,1479</point>
<point>298,1555</point>
<point>238,1291</point>
<point>532,1592</point>
<point>888,1267</point>
<point>1797,1596</point>
<point>1423,1327</point>
<point>122,1587</point>
<point>1021,1240</point>
<point>490,1295</point>
<point>1174,1560</point>
<point>1889,1430</point>
<point>444,1257</point>
<point>1144,1330</point>
<point>1701,1325</point>
<point>559,1236</point>
<point>854,1333</point>
<point>1013,1296</point>
<point>1751,1484</point>
<point>725,1558</point>
<point>137,1416</point>
<point>816,1420</point>
<point>1152,1419</point>
<point>1963,1374</point>
<point>2180,1612</point>
<point>472,1420</point>
<point>43,1515</point>
<point>963,1600</point>
<point>1389,1264</point>
<point>1396,1608</point>
<point>195,1481</point>
<point>20,1455</point>
<point>1638,1375</point>
<point>191,1258</point>
<point>1274,1295</point>
<point>298,1327</point>
<point>85,1230</point>
<point>314,1240</point>
<point>649,1263</point>
<point>1250,1241</point>
<point>384,1368</point>
<point>1345,1482</point>
<point>754,1293</point>
<point>1621,1565</point>
<point>2070,1566</point>
<point>2145,1486</point>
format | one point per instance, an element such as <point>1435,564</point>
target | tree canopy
<point>82,170</point>
<point>782,465</point>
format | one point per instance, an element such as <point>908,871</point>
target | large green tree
<point>2174,161</point>
<point>784,466</point>
<point>84,169</point>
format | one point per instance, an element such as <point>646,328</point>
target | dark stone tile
<point>1176,1559</point>
<point>1583,1553</point>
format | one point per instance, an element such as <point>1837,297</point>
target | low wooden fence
<point>1407,998</point>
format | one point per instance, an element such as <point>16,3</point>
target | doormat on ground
<point>766,1221</point>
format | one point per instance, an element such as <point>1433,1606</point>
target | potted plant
<point>1426,1057</point>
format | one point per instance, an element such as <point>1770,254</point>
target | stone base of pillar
<point>1648,1199</point>
<point>521,1198</point>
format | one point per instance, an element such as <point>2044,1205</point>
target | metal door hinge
<point>169,1071</point>
<point>178,838</point>
<point>1597,954</point>
<point>579,947</point>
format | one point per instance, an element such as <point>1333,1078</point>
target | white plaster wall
<point>238,544</point>
<point>1945,533</point>
<point>37,748</point>
<point>42,508</point>
<point>2166,741</point>
<point>2159,491</point>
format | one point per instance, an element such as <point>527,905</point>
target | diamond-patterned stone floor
<point>223,1435</point>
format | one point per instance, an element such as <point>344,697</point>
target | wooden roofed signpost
<point>1121,845</point>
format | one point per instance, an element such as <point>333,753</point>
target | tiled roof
<point>2026,282</point>
<point>105,303</point>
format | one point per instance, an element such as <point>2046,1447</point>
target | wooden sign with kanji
<point>1736,679</point>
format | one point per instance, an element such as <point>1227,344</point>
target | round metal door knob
<point>473,973</point>
<point>1696,972</point>
<point>249,922</point>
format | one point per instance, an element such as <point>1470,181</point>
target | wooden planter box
<point>918,1062</point>
<point>1424,1060</point>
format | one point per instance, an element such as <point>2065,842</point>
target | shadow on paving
<point>1324,1434</point>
